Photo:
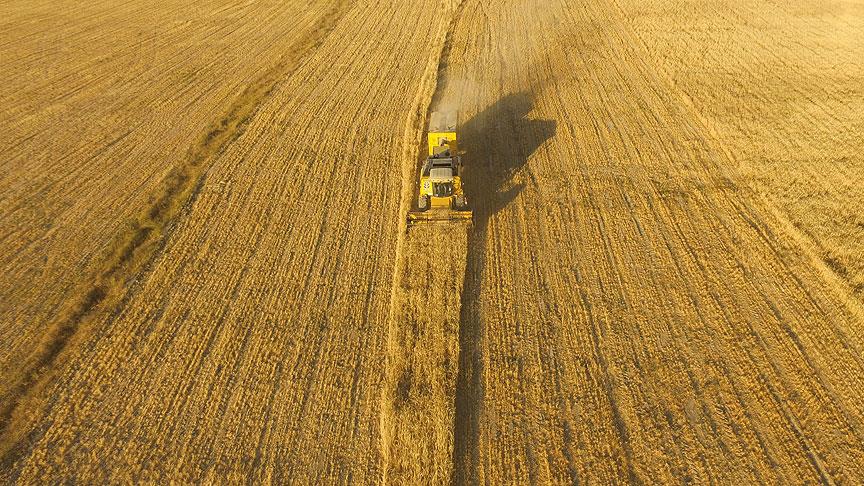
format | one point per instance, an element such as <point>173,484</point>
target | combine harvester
<point>441,198</point>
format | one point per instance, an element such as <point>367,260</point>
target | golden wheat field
<point>206,274</point>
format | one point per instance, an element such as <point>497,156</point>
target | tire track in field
<point>108,287</point>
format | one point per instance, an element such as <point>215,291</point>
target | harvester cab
<point>441,197</point>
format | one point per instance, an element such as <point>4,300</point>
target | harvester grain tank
<point>441,197</point>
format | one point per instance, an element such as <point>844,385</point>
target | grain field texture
<point>207,274</point>
<point>783,87</point>
<point>103,110</point>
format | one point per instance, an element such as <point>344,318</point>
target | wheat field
<point>207,274</point>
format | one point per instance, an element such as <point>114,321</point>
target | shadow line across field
<point>498,142</point>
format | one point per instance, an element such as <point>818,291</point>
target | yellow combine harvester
<point>441,196</point>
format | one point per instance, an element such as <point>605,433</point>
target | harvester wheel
<point>423,203</point>
<point>459,202</point>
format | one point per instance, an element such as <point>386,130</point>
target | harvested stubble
<point>662,282</point>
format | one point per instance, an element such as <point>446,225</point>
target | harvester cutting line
<point>441,198</point>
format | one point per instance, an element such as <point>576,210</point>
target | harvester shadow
<point>498,142</point>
